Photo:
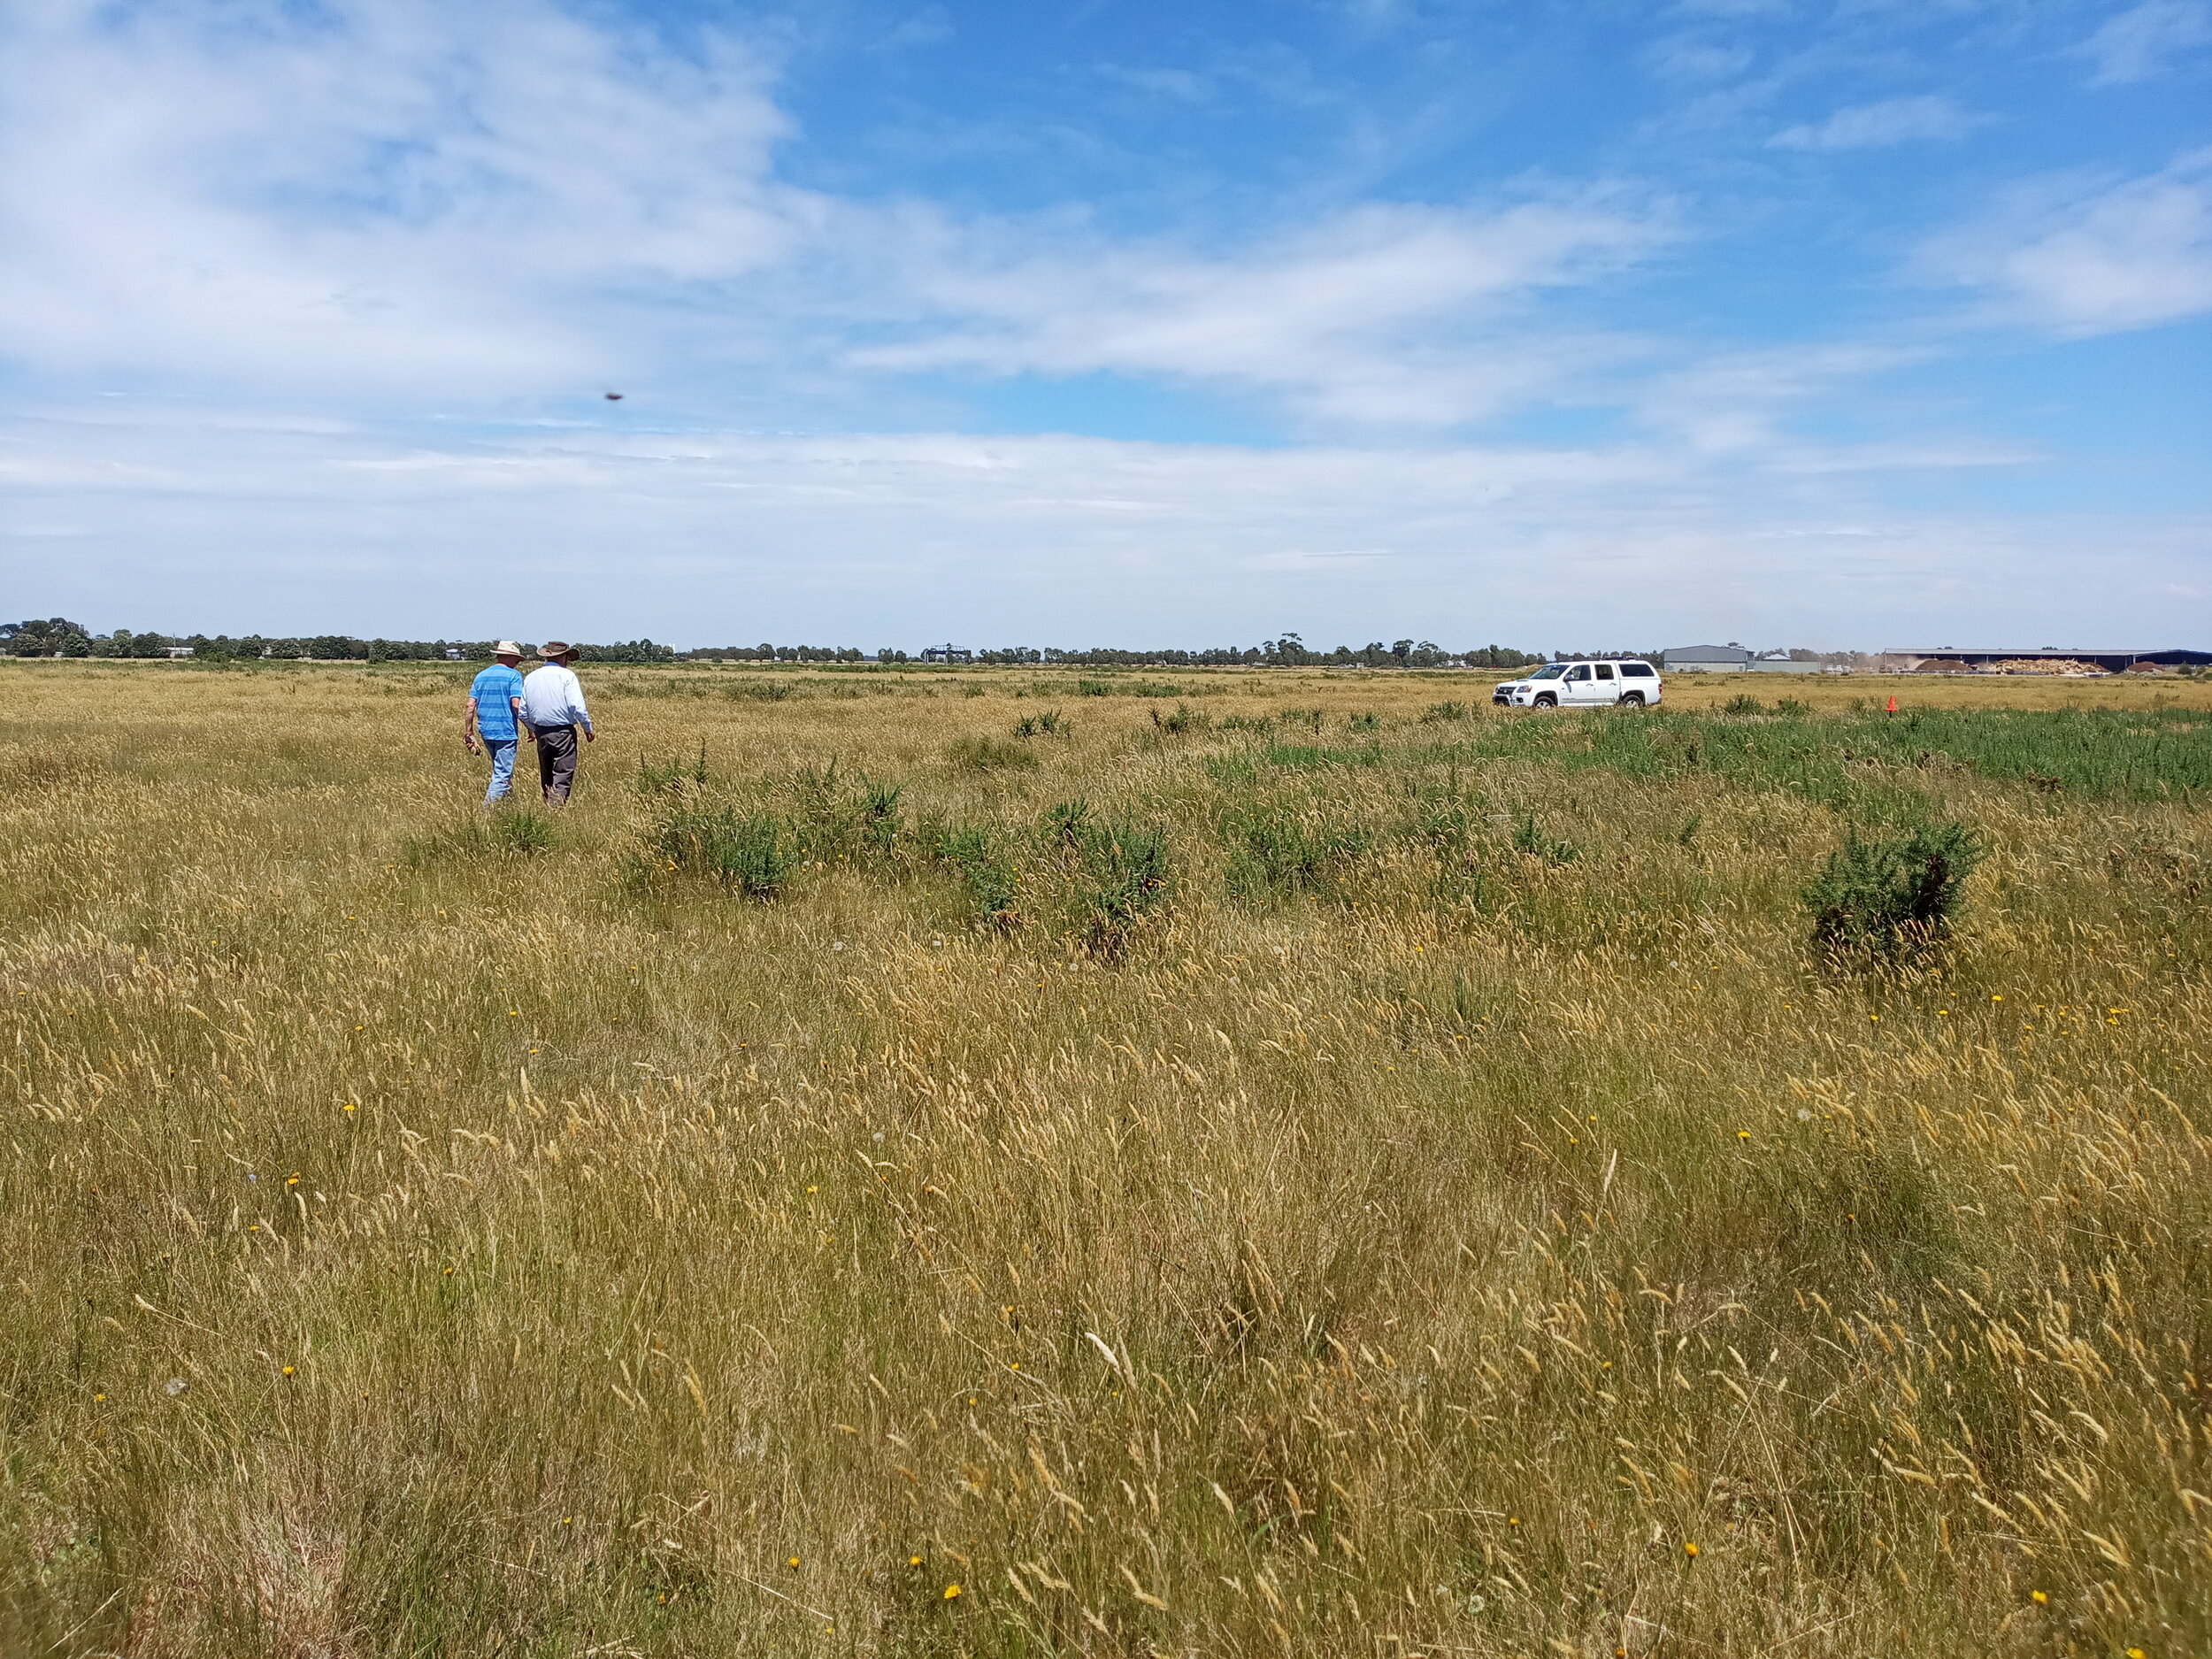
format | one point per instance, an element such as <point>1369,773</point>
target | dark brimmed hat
<point>554,649</point>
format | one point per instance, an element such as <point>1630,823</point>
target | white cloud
<point>1738,403</point>
<point>1182,85</point>
<point>375,194</point>
<point>2144,41</point>
<point>1388,315</point>
<point>1684,59</point>
<point>476,207</point>
<point>1876,126</point>
<point>2093,258</point>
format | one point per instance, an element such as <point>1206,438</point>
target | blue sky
<point>1831,323</point>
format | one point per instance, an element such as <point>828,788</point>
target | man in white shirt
<point>553,703</point>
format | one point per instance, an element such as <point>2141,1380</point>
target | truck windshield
<point>1550,672</point>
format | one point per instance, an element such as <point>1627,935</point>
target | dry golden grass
<point>416,1245</point>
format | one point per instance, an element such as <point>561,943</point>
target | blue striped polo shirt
<point>494,714</point>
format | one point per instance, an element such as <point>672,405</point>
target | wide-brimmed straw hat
<point>552,650</point>
<point>506,647</point>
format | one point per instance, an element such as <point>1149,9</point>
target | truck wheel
<point>1632,700</point>
<point>1545,700</point>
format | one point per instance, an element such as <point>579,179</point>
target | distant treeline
<point>57,636</point>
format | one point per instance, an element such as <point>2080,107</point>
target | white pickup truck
<point>1625,680</point>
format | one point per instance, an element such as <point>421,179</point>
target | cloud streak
<point>1922,119</point>
<point>2146,41</point>
<point>1382,315</point>
<point>2084,256</point>
<point>382,195</point>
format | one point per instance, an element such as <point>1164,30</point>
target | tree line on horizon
<point>58,636</point>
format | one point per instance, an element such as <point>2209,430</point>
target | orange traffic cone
<point>1893,706</point>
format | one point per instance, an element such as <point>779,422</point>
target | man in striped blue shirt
<point>494,716</point>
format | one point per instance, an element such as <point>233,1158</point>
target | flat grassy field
<point>1048,1163</point>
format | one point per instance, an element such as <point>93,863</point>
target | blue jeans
<point>502,749</point>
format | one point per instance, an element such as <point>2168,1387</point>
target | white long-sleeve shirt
<point>551,695</point>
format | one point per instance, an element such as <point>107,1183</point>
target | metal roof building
<point>1706,658</point>
<point>2111,661</point>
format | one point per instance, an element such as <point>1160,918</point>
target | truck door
<point>1605,688</point>
<point>1579,686</point>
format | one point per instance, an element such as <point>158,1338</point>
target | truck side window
<point>1605,671</point>
<point>1579,673</point>
<point>1635,671</point>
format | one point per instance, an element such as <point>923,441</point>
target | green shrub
<point>1067,823</point>
<point>1445,826</point>
<point>844,818</point>
<point>672,777</point>
<point>1129,877</point>
<point>1531,841</point>
<point>988,754</point>
<point>1051,723</point>
<point>751,852</point>
<point>1438,713</point>
<point>1894,896</point>
<point>522,830</point>
<point>1743,702</point>
<point>991,884</point>
<point>1182,720</point>
<point>1273,850</point>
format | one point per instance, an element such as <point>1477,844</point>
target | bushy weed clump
<point>1531,840</point>
<point>1890,897</point>
<point>987,872</point>
<point>989,755</point>
<point>750,852</point>
<point>1275,851</point>
<point>522,829</point>
<point>675,776</point>
<point>840,816</point>
<point>1123,875</point>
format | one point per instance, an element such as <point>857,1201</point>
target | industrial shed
<point>1937,658</point>
<point>1706,659</point>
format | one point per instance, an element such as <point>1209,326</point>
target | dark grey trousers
<point>557,760</point>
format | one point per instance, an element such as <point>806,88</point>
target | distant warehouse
<point>1731,659</point>
<point>2044,659</point>
<point>1705,659</point>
